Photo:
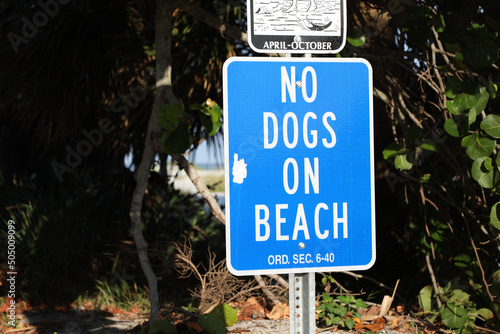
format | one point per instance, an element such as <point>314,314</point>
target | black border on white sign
<point>297,26</point>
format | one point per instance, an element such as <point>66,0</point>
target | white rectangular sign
<point>297,26</point>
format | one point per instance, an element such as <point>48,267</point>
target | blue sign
<point>299,165</point>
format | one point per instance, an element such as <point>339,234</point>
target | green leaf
<point>425,178</point>
<point>462,261</point>
<point>215,112</point>
<point>480,147</point>
<point>169,115</point>
<point>437,235</point>
<point>177,141</point>
<point>454,316</point>
<point>210,126</point>
<point>469,140</point>
<point>425,299</point>
<point>330,308</point>
<point>488,164</point>
<point>344,299</point>
<point>212,324</point>
<point>340,310</point>
<point>162,327</point>
<point>457,126</point>
<point>356,37</point>
<point>467,100</point>
<point>226,313</point>
<point>453,87</point>
<point>486,314</point>
<point>495,215</point>
<point>393,150</point>
<point>492,87</point>
<point>459,296</point>
<point>401,162</point>
<point>482,101</point>
<point>453,107</point>
<point>491,125</point>
<point>360,303</point>
<point>210,116</point>
<point>471,116</point>
<point>486,178</point>
<point>429,145</point>
<point>349,323</point>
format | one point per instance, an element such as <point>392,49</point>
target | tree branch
<point>433,279</point>
<point>492,298</point>
<point>200,186</point>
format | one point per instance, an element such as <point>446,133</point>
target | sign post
<point>301,296</point>
<point>298,146</point>
<point>299,171</point>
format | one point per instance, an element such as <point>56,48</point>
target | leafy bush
<point>445,161</point>
<point>341,311</point>
<point>453,306</point>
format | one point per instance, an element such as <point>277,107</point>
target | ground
<point>254,316</point>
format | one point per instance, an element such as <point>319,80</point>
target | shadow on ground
<point>79,322</point>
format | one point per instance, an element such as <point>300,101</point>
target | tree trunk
<point>163,83</point>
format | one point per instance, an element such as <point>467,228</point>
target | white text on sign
<point>267,218</point>
<point>321,229</point>
<point>310,137</point>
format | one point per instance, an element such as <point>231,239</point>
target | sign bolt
<point>302,245</point>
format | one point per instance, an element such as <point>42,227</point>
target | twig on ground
<point>268,293</point>
<point>280,280</point>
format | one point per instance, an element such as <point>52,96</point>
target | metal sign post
<point>301,297</point>
<point>299,171</point>
<point>298,147</point>
<point>302,291</point>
